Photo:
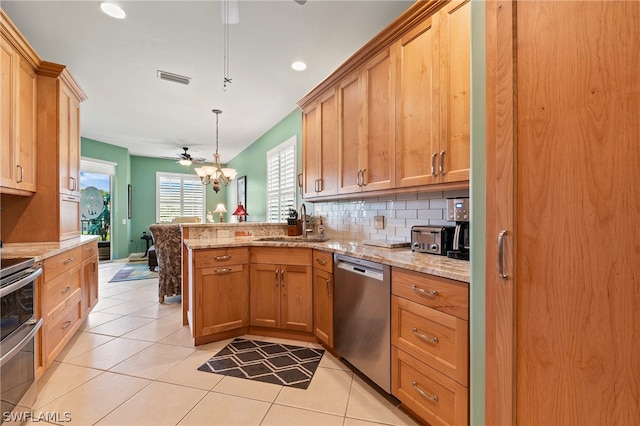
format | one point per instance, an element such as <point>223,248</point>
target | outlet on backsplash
<point>378,222</point>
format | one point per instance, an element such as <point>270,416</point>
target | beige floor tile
<point>328,392</point>
<point>61,378</point>
<point>215,346</point>
<point>280,415</point>
<point>357,422</point>
<point>157,404</point>
<point>226,410</point>
<point>155,330</point>
<point>106,303</point>
<point>120,326</point>
<point>186,372</point>
<point>157,310</point>
<point>111,290</point>
<point>365,403</point>
<point>97,318</point>
<point>248,388</point>
<point>330,361</point>
<point>153,361</point>
<point>96,398</point>
<point>111,353</point>
<point>139,294</point>
<point>81,342</point>
<point>181,337</point>
<point>126,307</point>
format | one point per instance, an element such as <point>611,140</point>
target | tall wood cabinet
<point>562,157</point>
<point>18,85</point>
<point>323,286</point>
<point>56,204</point>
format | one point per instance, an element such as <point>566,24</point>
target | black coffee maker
<point>458,211</point>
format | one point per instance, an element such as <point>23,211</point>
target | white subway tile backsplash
<point>420,204</point>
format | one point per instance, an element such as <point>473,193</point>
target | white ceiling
<point>116,61</point>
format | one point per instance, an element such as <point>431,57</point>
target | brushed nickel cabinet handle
<point>362,182</point>
<point>433,164</point>
<point>222,270</point>
<point>320,185</point>
<point>321,261</point>
<point>326,286</point>
<point>433,397</point>
<point>21,173</point>
<point>442,172</point>
<point>66,290</point>
<point>501,236</point>
<point>432,293</point>
<point>282,278</point>
<point>277,272</point>
<point>424,336</point>
<point>66,324</point>
<point>68,261</point>
<point>226,257</point>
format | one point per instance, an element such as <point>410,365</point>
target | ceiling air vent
<point>163,75</point>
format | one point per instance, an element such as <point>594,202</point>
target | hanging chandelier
<point>216,174</point>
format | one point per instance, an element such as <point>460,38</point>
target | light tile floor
<point>132,363</point>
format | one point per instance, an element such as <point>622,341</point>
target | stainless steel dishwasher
<point>362,317</point>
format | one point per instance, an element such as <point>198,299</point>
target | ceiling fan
<point>185,159</point>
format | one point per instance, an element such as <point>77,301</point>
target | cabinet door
<point>265,295</point>
<point>8,66</point>
<point>69,141</point>
<point>350,134</point>
<point>310,150</point>
<point>328,184</point>
<point>26,136</point>
<point>69,216</point>
<point>222,299</point>
<point>296,297</point>
<point>89,284</point>
<point>417,114</point>
<point>378,150</point>
<point>455,107</point>
<point>323,306</point>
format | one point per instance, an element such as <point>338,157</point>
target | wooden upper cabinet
<point>366,127</point>
<point>69,140</point>
<point>433,107</point>
<point>18,112</point>
<point>320,147</point>
<point>455,107</point>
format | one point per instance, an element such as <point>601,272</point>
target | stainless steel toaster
<point>432,239</point>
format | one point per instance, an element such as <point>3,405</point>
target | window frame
<point>287,191</point>
<point>195,180</point>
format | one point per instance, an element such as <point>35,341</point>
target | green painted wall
<point>252,162</point>
<point>119,231</point>
<point>143,184</point>
<point>478,209</point>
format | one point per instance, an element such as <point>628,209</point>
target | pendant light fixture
<point>216,175</point>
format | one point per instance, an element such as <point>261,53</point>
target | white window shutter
<point>281,181</point>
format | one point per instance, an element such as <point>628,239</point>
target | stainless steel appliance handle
<point>21,283</point>
<point>424,336</point>
<point>432,293</point>
<point>501,255</point>
<point>442,172</point>
<point>433,397</point>
<point>17,348</point>
<point>433,164</point>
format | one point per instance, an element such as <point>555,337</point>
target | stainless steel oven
<point>17,346</point>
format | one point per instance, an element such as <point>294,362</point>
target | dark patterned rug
<point>275,363</point>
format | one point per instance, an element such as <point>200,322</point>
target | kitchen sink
<point>297,238</point>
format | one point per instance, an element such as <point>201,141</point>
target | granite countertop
<point>44,250</point>
<point>440,266</point>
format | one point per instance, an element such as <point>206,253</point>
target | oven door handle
<point>17,348</point>
<point>21,282</point>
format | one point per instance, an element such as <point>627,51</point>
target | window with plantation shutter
<point>178,195</point>
<point>281,181</point>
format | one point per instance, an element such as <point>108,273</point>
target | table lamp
<point>220,209</point>
<point>240,212</point>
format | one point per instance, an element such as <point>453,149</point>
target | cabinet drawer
<point>323,260</point>
<point>437,339</point>
<point>281,255</point>
<point>431,395</point>
<point>62,262</point>
<point>449,296</point>
<point>59,289</point>
<point>221,257</point>
<point>58,330</point>
<point>89,250</point>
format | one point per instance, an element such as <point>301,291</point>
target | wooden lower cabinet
<point>323,296</point>
<point>430,346</point>
<point>281,294</point>
<point>89,276</point>
<point>61,301</point>
<point>219,296</point>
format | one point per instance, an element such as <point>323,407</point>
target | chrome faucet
<point>303,217</point>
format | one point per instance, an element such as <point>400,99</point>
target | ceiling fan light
<point>184,162</point>
<point>299,66</point>
<point>112,10</point>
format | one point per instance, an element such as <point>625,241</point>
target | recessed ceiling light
<point>112,10</point>
<point>299,66</point>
